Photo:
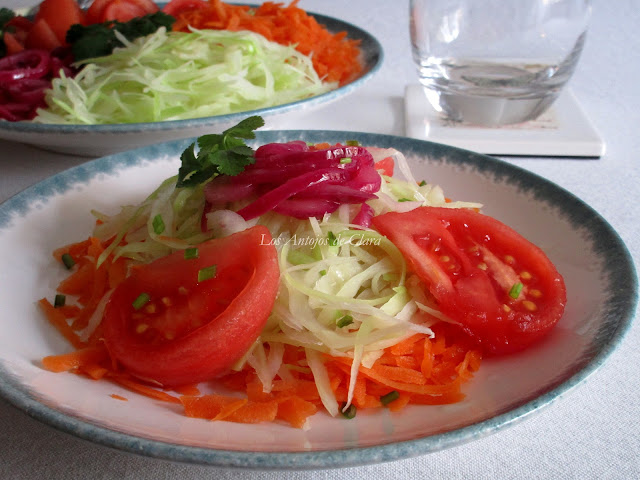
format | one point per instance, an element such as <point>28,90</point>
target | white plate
<point>600,279</point>
<point>99,140</point>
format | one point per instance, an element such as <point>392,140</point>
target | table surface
<point>592,432</point>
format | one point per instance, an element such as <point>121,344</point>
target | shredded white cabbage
<point>179,75</point>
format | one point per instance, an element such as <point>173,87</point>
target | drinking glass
<point>496,62</point>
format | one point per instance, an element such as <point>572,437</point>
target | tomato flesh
<point>499,287</point>
<point>189,330</point>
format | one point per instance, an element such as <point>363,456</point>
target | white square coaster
<point>563,130</point>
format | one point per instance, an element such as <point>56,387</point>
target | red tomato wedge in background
<point>193,330</point>
<point>59,16</point>
<point>121,10</point>
<point>177,6</point>
<point>502,289</point>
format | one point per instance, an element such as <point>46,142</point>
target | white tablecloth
<point>592,432</point>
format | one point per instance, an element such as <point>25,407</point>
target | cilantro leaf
<point>219,154</point>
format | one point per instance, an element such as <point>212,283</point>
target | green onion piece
<point>59,301</point>
<point>141,301</point>
<point>515,290</point>
<point>389,397</point>
<point>190,253</point>
<point>68,260</point>
<point>349,412</point>
<point>333,241</point>
<point>296,257</point>
<point>207,273</point>
<point>158,224</point>
<point>422,183</point>
<point>404,200</point>
<point>353,143</point>
<point>389,277</point>
<point>322,273</point>
<point>344,321</point>
<point>345,160</point>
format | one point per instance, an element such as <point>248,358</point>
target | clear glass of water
<point>496,62</point>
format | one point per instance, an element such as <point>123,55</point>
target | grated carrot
<point>335,57</point>
<point>418,370</point>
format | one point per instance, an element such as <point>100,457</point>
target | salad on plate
<point>269,285</point>
<point>135,61</point>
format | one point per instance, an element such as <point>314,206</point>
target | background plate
<point>600,278</point>
<point>99,140</point>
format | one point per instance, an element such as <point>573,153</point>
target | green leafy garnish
<point>100,39</point>
<point>219,154</point>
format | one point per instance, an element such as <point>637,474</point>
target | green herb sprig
<point>219,154</point>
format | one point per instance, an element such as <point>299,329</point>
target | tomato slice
<point>193,330</point>
<point>386,166</point>
<point>175,7</point>
<point>501,289</point>
<point>60,15</point>
<point>125,10</point>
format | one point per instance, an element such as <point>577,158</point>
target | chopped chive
<point>515,290</point>
<point>68,260</point>
<point>296,257</point>
<point>158,224</point>
<point>59,301</point>
<point>405,200</point>
<point>389,397</point>
<point>322,273</point>
<point>333,241</point>
<point>422,183</point>
<point>207,273</point>
<point>190,253</point>
<point>353,143</point>
<point>350,412</point>
<point>141,301</point>
<point>344,321</point>
<point>345,160</point>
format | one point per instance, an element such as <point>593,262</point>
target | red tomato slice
<point>41,36</point>
<point>386,165</point>
<point>125,10</point>
<point>473,265</point>
<point>174,7</point>
<point>11,43</point>
<point>190,330</point>
<point>94,13</point>
<point>60,15</point>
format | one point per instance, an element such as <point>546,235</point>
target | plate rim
<point>626,300</point>
<point>376,55</point>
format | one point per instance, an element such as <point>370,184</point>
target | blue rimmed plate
<point>599,274</point>
<point>99,140</point>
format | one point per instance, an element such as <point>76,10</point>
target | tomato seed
<point>535,293</point>
<point>151,308</point>
<point>166,301</point>
<point>183,291</point>
<point>509,259</point>
<point>445,258</point>
<point>525,276</point>
<point>482,266</point>
<point>141,328</point>
<point>506,307</point>
<point>529,305</point>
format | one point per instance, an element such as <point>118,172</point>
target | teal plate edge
<point>619,309</point>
